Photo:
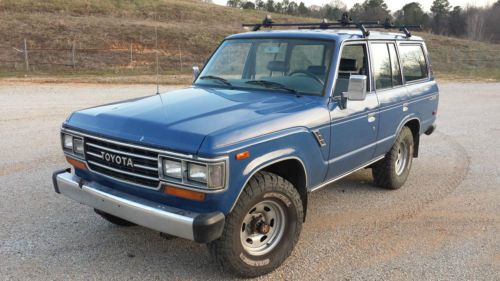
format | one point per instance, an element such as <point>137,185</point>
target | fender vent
<point>319,138</point>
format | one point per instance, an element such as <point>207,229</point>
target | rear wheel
<point>392,171</point>
<point>263,228</point>
<point>113,219</point>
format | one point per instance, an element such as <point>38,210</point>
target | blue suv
<point>272,116</point>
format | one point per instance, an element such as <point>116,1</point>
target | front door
<point>353,129</point>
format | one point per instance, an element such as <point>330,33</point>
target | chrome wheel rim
<point>262,227</point>
<point>401,159</point>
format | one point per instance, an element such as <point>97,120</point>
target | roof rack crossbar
<point>344,22</point>
<point>360,26</point>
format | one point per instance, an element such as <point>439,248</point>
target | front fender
<point>297,143</point>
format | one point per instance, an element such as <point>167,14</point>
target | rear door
<point>391,93</point>
<point>353,129</point>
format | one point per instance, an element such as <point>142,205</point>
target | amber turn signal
<point>184,193</point>
<point>242,155</point>
<point>77,164</point>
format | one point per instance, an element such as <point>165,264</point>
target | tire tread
<point>383,172</point>
<point>221,250</point>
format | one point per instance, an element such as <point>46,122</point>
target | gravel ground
<point>442,225</point>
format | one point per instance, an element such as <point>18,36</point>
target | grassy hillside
<point>454,58</point>
<point>95,38</point>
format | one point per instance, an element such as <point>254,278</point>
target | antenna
<point>157,63</point>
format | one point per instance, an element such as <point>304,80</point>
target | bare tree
<point>475,26</point>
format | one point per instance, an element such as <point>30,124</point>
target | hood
<point>180,120</point>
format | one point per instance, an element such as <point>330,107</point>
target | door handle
<point>405,106</point>
<point>371,118</point>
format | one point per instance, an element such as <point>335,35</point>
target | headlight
<point>216,175</point>
<point>172,168</point>
<point>72,144</point>
<point>186,172</point>
<point>68,141</point>
<point>197,172</point>
<point>78,146</point>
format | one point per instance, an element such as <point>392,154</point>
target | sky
<point>393,5</point>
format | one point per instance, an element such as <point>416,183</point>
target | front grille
<point>136,165</point>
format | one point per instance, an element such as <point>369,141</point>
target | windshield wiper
<point>272,85</point>
<point>216,78</point>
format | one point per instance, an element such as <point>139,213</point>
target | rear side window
<point>413,61</point>
<point>396,70</point>
<point>381,66</point>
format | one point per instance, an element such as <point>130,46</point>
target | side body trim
<point>346,174</point>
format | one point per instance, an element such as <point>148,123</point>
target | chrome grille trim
<point>94,154</point>
<point>146,167</point>
<point>121,152</point>
<point>121,171</point>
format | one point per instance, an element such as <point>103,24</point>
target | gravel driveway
<point>444,224</point>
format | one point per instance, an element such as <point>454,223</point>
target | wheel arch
<point>292,169</point>
<point>413,123</point>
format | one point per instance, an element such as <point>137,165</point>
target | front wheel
<point>392,171</point>
<point>263,228</point>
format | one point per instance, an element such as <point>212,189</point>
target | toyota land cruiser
<point>271,117</point>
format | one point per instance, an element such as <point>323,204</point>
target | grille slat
<point>121,152</point>
<point>121,171</point>
<point>144,168</point>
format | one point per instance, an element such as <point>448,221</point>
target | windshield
<point>290,65</point>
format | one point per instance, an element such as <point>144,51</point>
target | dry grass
<point>174,79</point>
<point>454,58</point>
<point>190,27</point>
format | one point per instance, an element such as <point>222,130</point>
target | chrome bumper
<point>201,228</point>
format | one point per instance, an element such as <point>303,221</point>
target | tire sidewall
<point>287,241</point>
<point>407,138</point>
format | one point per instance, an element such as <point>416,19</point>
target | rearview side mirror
<point>196,72</point>
<point>356,90</point>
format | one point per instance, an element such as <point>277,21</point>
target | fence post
<point>73,55</point>
<point>26,56</point>
<point>157,62</point>
<point>131,57</point>
<point>180,57</point>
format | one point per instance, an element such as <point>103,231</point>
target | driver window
<point>352,61</point>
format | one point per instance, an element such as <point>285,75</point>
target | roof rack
<point>344,22</point>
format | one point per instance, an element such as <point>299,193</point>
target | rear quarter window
<point>413,62</point>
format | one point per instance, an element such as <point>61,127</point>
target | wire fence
<point>135,58</point>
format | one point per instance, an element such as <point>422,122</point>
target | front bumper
<point>202,228</point>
